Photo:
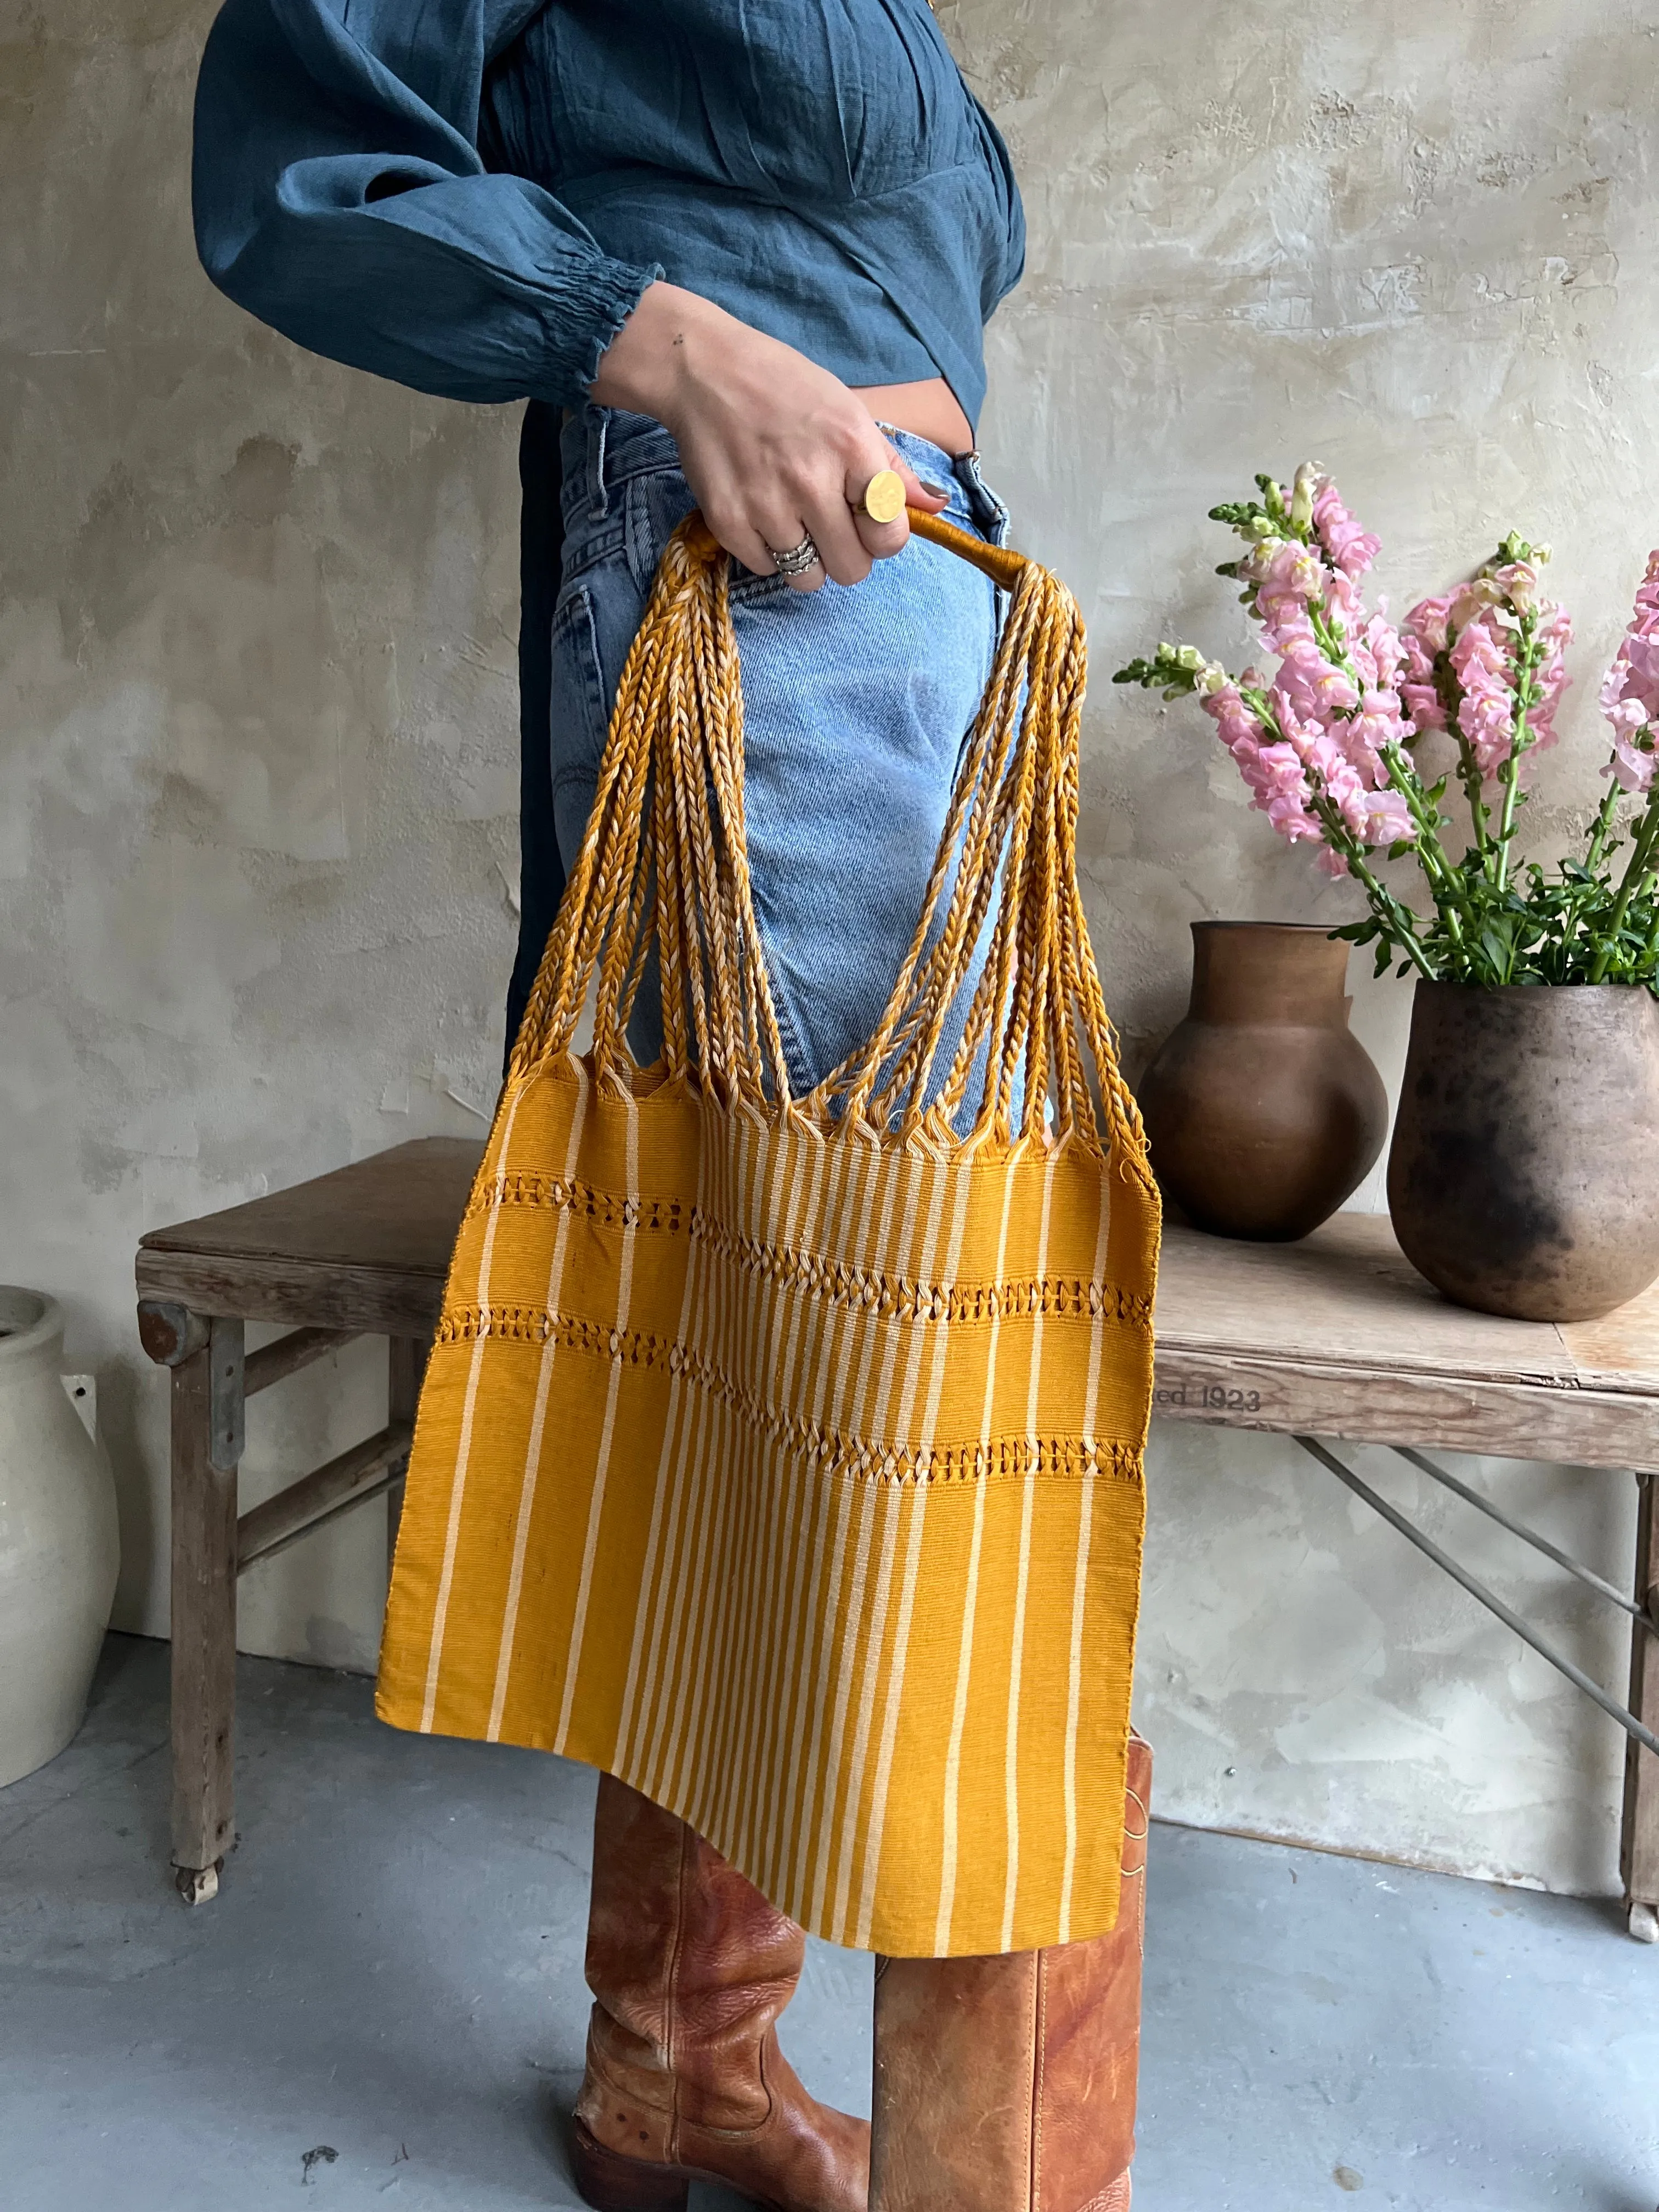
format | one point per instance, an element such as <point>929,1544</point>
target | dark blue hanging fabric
<point>541,550</point>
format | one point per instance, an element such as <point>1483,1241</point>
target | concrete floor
<point>385,2005</point>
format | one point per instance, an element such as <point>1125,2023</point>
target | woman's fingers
<point>814,507</point>
<point>881,538</point>
<point>784,524</point>
<point>775,448</point>
<point>845,559</point>
<point>743,539</point>
<point>833,491</point>
<point>848,538</point>
<point>931,496</point>
<point>865,520</point>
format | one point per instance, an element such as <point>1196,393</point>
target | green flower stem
<point>1526,696</point>
<point>1395,914</point>
<point>1603,829</point>
<point>1499,868</point>
<point>1446,885</point>
<point>1469,775</point>
<point>1572,918</point>
<point>1645,838</point>
<point>1396,917</point>
<point>1640,863</point>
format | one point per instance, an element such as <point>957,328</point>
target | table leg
<point>1639,1857</point>
<point>207,1424</point>
<point>405,1367</point>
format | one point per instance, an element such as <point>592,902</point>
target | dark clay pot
<point>1521,1178</point>
<point>1262,1111</point>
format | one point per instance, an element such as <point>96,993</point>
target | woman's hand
<point>776,448</point>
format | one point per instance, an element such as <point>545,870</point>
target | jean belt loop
<point>988,510</point>
<point>598,431</point>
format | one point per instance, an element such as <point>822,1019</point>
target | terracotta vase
<point>1263,1112</point>
<point>1521,1177</point>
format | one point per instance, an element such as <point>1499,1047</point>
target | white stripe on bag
<point>464,1450</point>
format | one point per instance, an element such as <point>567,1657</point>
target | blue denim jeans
<point>856,703</point>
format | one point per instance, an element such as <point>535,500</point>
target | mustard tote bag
<point>782,1455</point>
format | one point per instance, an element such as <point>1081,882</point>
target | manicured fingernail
<point>938,490</point>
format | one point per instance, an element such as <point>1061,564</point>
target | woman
<point>738,258</point>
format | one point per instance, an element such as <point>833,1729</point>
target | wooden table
<point>1339,1337</point>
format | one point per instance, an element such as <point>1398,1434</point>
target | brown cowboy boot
<point>685,2080</point>
<point>1008,2085</point>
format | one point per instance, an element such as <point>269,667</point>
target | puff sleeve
<point>339,195</point>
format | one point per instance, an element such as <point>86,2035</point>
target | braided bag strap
<point>664,862</point>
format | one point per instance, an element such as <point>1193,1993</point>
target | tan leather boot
<point>1008,2085</point>
<point>691,1966</point>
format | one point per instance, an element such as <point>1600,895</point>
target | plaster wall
<point>256,746</point>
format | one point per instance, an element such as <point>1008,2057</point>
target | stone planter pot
<point>1521,1178</point>
<point>59,1548</point>
<point>1262,1111</point>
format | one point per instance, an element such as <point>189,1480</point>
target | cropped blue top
<point>469,196</point>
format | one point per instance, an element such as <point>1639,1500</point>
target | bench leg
<point>405,1367</point>
<point>1639,1857</point>
<point>206,1429</point>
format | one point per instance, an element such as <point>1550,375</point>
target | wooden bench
<point>361,1252</point>
<point>1335,1337</point>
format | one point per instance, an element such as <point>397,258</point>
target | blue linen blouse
<point>469,196</point>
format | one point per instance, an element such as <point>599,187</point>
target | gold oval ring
<point>884,496</point>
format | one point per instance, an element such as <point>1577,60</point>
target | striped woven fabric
<point>783,1457</point>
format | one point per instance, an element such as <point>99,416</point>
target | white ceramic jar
<point>59,1543</point>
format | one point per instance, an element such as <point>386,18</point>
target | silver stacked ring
<point>795,560</point>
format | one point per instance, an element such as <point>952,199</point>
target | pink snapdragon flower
<point>1315,688</point>
<point>1380,720</point>
<point>1379,653</point>
<point>1344,609</point>
<point>1323,742</point>
<point>1426,624</point>
<point>1509,592</point>
<point>1478,628</point>
<point>1308,751</point>
<point>1326,757</point>
<point>1350,549</point>
<point>1632,764</point>
<point>1630,693</point>
<point>1335,708</point>
<point>1388,820</point>
<point>1287,577</point>
<point>1423,638</point>
<point>1554,636</point>
<point>1486,715</point>
<point>1272,770</point>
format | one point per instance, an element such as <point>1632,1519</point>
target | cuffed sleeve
<point>339,196</point>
